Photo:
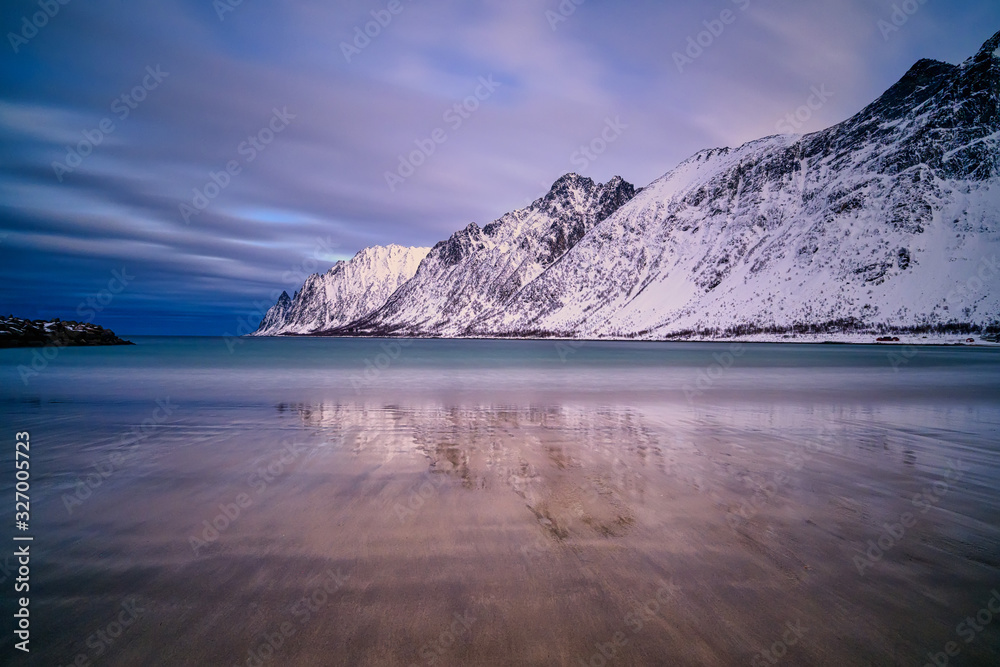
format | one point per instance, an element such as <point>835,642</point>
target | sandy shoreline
<point>453,534</point>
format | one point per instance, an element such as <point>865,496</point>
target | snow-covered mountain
<point>479,271</point>
<point>890,219</point>
<point>348,291</point>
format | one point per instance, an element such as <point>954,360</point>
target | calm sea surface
<point>306,501</point>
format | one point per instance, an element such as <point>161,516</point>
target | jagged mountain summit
<point>348,291</point>
<point>886,221</point>
<point>477,272</point>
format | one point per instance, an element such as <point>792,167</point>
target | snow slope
<point>347,291</point>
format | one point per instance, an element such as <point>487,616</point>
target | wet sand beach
<point>841,514</point>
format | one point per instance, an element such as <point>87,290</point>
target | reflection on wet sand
<point>438,533</point>
<point>576,469</point>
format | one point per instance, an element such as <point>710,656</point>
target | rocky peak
<point>569,182</point>
<point>924,80</point>
<point>459,245</point>
<point>991,48</point>
<point>614,194</point>
<point>572,192</point>
<point>938,116</point>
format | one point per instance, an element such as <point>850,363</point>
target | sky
<point>170,167</point>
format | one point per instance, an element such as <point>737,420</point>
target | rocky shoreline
<point>17,332</point>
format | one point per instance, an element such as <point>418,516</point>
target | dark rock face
<point>565,232</point>
<point>460,245</point>
<point>16,332</point>
<point>903,256</point>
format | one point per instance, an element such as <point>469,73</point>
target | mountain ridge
<point>884,221</point>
